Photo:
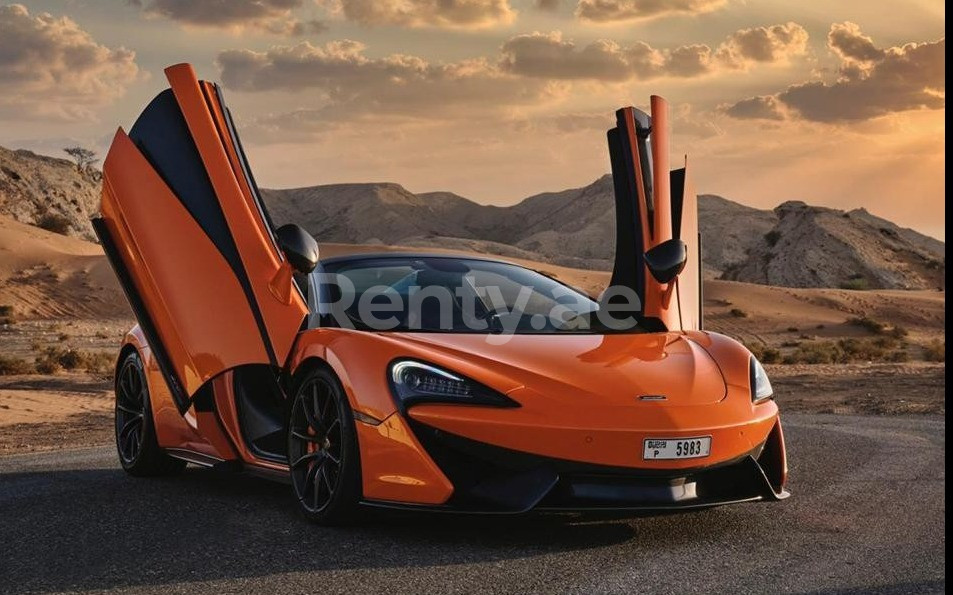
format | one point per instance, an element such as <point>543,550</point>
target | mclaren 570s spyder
<point>414,380</point>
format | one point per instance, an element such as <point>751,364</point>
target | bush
<point>763,353</point>
<point>12,365</point>
<point>793,329</point>
<point>869,324</point>
<point>739,313</point>
<point>898,332</point>
<point>54,222</point>
<point>770,355</point>
<point>816,352</point>
<point>45,366</point>
<point>53,359</point>
<point>882,349</point>
<point>898,356</point>
<point>6,314</point>
<point>935,351</point>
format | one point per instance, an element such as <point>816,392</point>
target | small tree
<point>83,157</point>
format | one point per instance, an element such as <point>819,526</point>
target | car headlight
<point>760,385</point>
<point>413,381</point>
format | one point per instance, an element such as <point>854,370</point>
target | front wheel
<point>323,454</point>
<point>139,451</point>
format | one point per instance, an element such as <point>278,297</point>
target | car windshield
<point>449,294</point>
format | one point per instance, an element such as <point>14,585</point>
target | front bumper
<point>489,479</point>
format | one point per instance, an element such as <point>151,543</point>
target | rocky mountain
<point>795,245</point>
<point>573,227</point>
<point>48,192</point>
<point>821,247</point>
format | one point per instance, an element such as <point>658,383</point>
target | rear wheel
<point>136,443</point>
<point>322,450</point>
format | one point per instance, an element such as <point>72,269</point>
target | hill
<point>821,247</point>
<point>48,192</point>
<point>795,245</point>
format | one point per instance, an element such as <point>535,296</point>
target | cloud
<point>548,55</point>
<point>50,67</point>
<point>616,11</point>
<point>762,107</point>
<point>266,16</point>
<point>776,43</point>
<point>425,13</point>
<point>349,83</point>
<point>847,41</point>
<point>872,82</point>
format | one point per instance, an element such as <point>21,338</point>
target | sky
<point>838,104</point>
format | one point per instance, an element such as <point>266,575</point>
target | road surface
<point>867,515</point>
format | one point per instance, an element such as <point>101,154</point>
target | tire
<point>323,455</point>
<point>136,444</point>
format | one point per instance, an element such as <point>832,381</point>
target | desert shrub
<point>898,356</point>
<point>772,237</point>
<point>6,314</point>
<point>763,353</point>
<point>756,349</point>
<point>53,359</point>
<point>817,352</point>
<point>885,342</point>
<point>70,359</point>
<point>855,284</point>
<point>820,326</point>
<point>770,355</point>
<point>899,332</point>
<point>13,365</point>
<point>865,349</point>
<point>869,324</point>
<point>851,349</point>
<point>46,366</point>
<point>791,344</point>
<point>63,337</point>
<point>739,313</point>
<point>99,363</point>
<point>935,351</point>
<point>793,329</point>
<point>54,222</point>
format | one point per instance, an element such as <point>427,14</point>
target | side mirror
<point>299,247</point>
<point>667,260</point>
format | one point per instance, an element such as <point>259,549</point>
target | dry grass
<point>10,366</point>
<point>843,351</point>
<point>935,351</point>
<point>53,359</point>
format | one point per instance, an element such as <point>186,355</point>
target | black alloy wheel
<point>322,450</point>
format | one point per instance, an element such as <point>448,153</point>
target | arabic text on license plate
<point>676,448</point>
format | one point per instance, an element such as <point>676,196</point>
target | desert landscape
<point>847,310</point>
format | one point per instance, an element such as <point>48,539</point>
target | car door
<point>191,242</point>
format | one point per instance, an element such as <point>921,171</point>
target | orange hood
<point>616,369</point>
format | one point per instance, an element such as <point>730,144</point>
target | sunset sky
<point>834,103</point>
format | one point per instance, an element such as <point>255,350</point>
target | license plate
<point>676,448</point>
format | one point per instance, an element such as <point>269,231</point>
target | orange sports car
<point>414,380</point>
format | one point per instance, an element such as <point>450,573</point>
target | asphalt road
<point>867,515</point>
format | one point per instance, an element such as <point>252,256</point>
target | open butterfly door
<point>654,207</point>
<point>194,249</point>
